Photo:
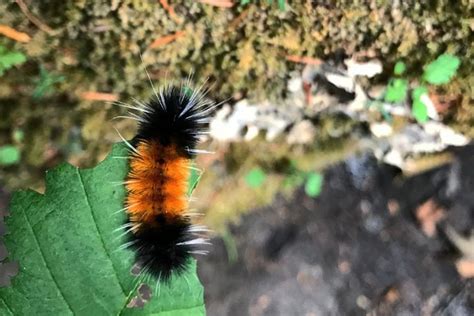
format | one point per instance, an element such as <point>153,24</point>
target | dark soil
<point>345,253</point>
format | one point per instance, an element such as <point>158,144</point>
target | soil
<point>357,249</point>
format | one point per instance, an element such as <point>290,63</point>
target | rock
<point>394,158</point>
<point>414,139</point>
<point>367,69</point>
<point>229,124</point>
<point>381,129</point>
<point>430,107</point>
<point>447,136</point>
<point>295,84</point>
<point>302,133</point>
<point>342,81</point>
<point>359,103</point>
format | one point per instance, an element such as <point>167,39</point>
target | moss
<point>223,193</point>
<point>96,46</point>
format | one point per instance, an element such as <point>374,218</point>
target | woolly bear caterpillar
<point>159,228</point>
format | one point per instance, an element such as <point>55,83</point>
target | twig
<point>219,3</point>
<point>33,19</point>
<point>161,41</point>
<point>236,22</point>
<point>98,96</point>
<point>14,34</point>
<point>171,11</point>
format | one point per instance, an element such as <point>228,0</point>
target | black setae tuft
<point>176,115</point>
<point>158,249</point>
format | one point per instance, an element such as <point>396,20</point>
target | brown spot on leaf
<point>136,269</point>
<point>7,272</point>
<point>136,302</point>
<point>144,292</point>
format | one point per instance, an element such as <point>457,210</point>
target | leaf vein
<point>6,305</point>
<point>177,309</point>
<point>45,262</point>
<point>98,231</point>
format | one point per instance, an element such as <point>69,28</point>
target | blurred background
<point>342,176</point>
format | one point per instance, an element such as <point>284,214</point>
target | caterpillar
<point>159,228</point>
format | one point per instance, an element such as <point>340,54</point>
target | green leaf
<point>255,178</point>
<point>9,155</point>
<point>442,69</point>
<point>399,68</point>
<point>194,178</point>
<point>281,5</point>
<point>188,91</point>
<point>46,82</point>
<point>314,184</point>
<point>70,257</point>
<point>396,90</point>
<point>419,110</point>
<point>8,59</point>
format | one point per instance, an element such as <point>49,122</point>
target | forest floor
<point>363,246</point>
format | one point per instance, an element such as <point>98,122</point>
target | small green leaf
<point>396,90</point>
<point>9,155</point>
<point>187,91</point>
<point>281,5</point>
<point>314,184</point>
<point>442,69</point>
<point>45,83</point>
<point>194,178</point>
<point>399,68</point>
<point>418,92</point>
<point>255,178</point>
<point>8,59</point>
<point>419,110</point>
